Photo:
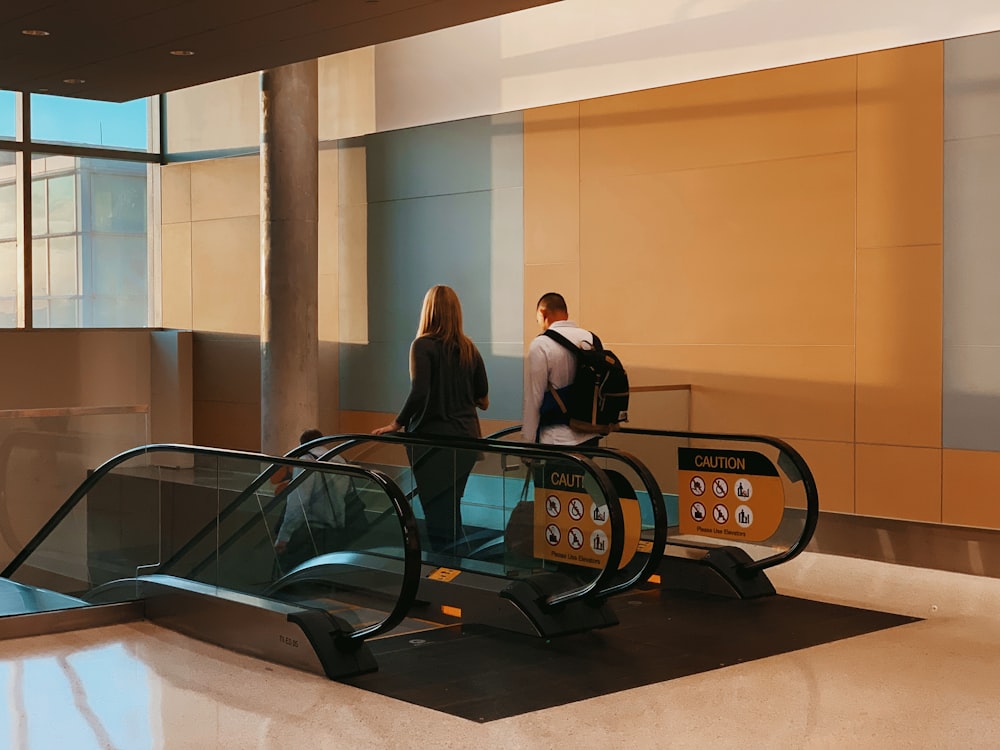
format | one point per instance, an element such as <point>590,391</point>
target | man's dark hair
<point>552,301</point>
<point>311,434</point>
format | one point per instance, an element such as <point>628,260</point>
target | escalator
<point>120,542</point>
<point>736,505</point>
<point>185,537</point>
<point>512,588</point>
<point>506,501</point>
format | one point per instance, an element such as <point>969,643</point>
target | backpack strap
<point>560,339</point>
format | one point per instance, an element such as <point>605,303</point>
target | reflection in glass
<point>95,242</point>
<point>118,203</point>
<point>64,277</point>
<point>40,267</point>
<point>8,284</point>
<point>8,212</point>
<point>62,204</point>
<point>58,119</point>
<point>8,249</point>
<point>39,215</point>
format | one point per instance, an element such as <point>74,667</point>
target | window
<point>8,248</point>
<point>7,115</point>
<point>91,245</point>
<point>56,119</point>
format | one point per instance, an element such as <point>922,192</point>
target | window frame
<point>23,147</point>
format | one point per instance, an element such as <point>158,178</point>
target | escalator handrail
<point>280,497</point>
<point>593,590</point>
<point>652,487</point>
<point>411,542</point>
<point>660,520</point>
<point>805,473</point>
<point>237,502</point>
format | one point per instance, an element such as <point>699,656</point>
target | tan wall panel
<point>225,188</point>
<point>756,253</point>
<point>226,424</point>
<point>789,392</point>
<point>68,368</point>
<point>214,116</point>
<point>171,387</point>
<point>782,391</point>
<point>898,482</point>
<point>899,346</point>
<point>659,410</point>
<point>175,275</point>
<point>347,94</point>
<point>226,383</point>
<point>175,193</point>
<point>552,184</point>
<point>329,250</point>
<point>226,368</point>
<point>329,384</point>
<point>900,146</point>
<point>832,465</point>
<point>775,114</point>
<point>362,422</point>
<point>225,266</point>
<point>969,494</point>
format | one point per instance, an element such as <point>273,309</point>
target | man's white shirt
<point>550,363</point>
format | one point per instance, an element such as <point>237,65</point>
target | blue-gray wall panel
<point>445,206</point>
<point>972,86</point>
<point>972,242</point>
<point>417,243</point>
<point>972,398</point>
<point>374,376</point>
<point>453,157</point>
<point>971,303</point>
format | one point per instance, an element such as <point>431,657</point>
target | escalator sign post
<point>736,495</point>
<point>570,526</point>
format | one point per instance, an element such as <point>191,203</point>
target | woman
<point>447,383</point>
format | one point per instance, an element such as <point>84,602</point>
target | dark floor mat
<point>483,674</point>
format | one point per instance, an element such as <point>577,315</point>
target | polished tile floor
<point>929,684</point>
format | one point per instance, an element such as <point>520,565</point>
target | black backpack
<point>597,399</point>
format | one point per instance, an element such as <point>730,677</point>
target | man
<point>550,363</point>
<point>323,513</point>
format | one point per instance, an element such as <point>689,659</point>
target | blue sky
<point>80,121</point>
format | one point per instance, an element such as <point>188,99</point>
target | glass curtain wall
<point>90,182</point>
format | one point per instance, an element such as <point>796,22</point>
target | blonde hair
<point>441,318</point>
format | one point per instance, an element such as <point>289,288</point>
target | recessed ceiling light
<point>34,32</point>
<point>181,52</point>
<point>73,81</point>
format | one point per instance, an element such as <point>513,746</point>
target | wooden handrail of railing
<point>74,411</point>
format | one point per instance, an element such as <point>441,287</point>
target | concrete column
<point>289,210</point>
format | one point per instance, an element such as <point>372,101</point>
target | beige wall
<point>223,118</point>
<point>778,238</point>
<point>576,50</point>
<point>211,285</point>
<point>777,234</point>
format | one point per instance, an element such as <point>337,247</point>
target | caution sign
<point>737,495</point>
<point>570,526</point>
